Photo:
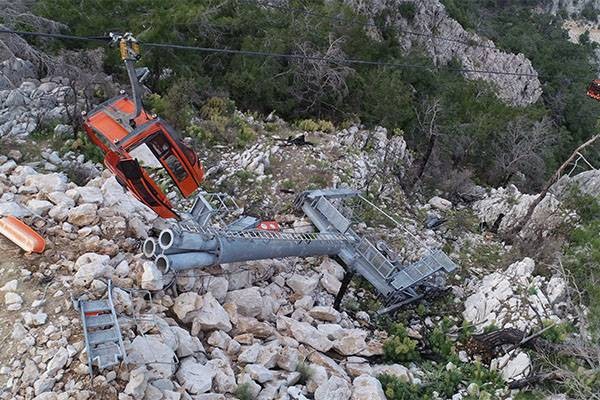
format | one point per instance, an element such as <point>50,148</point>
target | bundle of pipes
<point>188,250</point>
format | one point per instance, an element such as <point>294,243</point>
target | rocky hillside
<point>473,52</point>
<point>520,319</point>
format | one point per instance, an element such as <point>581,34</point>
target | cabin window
<point>176,167</point>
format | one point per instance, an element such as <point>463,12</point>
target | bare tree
<point>427,121</point>
<point>319,75</point>
<point>553,179</point>
<point>521,147</point>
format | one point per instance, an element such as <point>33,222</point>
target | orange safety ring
<point>22,235</point>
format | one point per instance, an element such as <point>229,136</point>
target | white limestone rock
<point>397,370</point>
<point>512,367</point>
<point>325,313</point>
<point>211,316</point>
<point>334,389</point>
<point>308,334</point>
<point>366,387</point>
<point>258,373</point>
<point>58,362</point>
<point>195,377</point>
<point>185,303</point>
<point>353,341</point>
<point>149,350</point>
<point>83,215</point>
<point>330,283</point>
<point>303,285</point>
<point>39,207</point>
<point>91,266</point>
<point>187,344</point>
<point>248,301</point>
<point>152,278</point>
<point>36,319</point>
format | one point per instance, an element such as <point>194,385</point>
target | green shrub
<point>399,347</point>
<point>439,340</point>
<point>85,146</point>
<point>445,380</point>
<point>243,392</point>
<point>320,125</point>
<point>217,107</point>
<point>559,332</point>
<point>305,371</point>
<point>407,10</point>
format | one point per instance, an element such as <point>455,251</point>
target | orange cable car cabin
<point>593,90</point>
<point>110,128</point>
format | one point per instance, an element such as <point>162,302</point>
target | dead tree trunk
<point>551,181</point>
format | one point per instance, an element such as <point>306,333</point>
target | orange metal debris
<point>22,235</point>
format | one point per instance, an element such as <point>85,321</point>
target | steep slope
<point>431,18</point>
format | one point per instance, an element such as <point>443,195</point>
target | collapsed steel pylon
<point>196,243</point>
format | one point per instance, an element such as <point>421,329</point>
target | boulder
<point>13,208</point>
<point>248,301</point>
<point>57,362</point>
<point>331,266</point>
<point>307,334</point>
<point>224,381</point>
<point>334,389</point>
<point>195,377</point>
<point>352,342</point>
<point>211,316</point>
<point>303,285</point>
<point>187,345</point>
<point>440,203</point>
<point>91,266</point>
<point>512,367</point>
<point>330,283</point>
<point>152,278</point>
<point>367,387</point>
<point>138,382</point>
<point>89,194</point>
<point>39,207</point>
<point>258,373</point>
<point>250,354</point>
<point>288,359</point>
<point>151,351</point>
<point>85,214</point>
<point>325,313</point>
<point>397,370</point>
<point>47,183</point>
<point>185,303</point>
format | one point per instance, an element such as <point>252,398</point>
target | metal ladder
<point>264,234</point>
<point>424,268</point>
<point>375,259</point>
<point>103,340</point>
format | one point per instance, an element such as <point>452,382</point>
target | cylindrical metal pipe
<point>244,249</point>
<point>205,251</point>
<point>149,248</point>
<point>185,241</point>
<point>183,261</point>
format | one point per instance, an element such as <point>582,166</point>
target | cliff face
<point>431,18</point>
<point>573,7</point>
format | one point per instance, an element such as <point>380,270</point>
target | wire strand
<point>251,53</point>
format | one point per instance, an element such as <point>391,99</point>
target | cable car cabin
<point>111,128</point>
<point>594,89</point>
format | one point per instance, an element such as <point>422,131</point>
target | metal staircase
<point>103,340</point>
<point>395,283</point>
<point>422,269</point>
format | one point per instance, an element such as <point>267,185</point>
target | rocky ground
<point>264,329</point>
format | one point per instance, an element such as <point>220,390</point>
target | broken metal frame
<point>200,242</point>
